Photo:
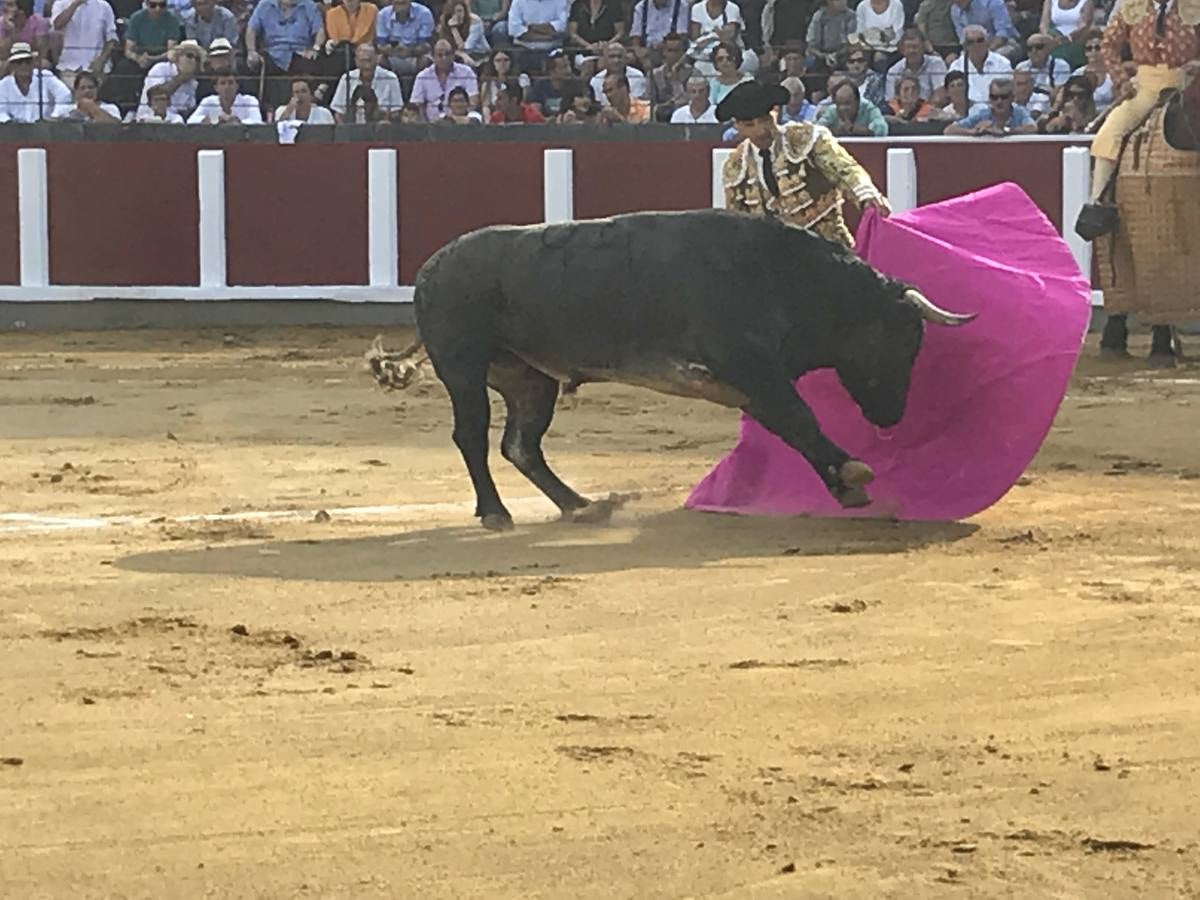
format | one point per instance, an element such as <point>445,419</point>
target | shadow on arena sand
<point>677,539</point>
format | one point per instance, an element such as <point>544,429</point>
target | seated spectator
<point>622,106</point>
<point>497,69</point>
<point>157,110</point>
<point>981,65</point>
<point>668,82</point>
<point>785,26</point>
<point>404,35</point>
<point>220,60</point>
<point>615,63</point>
<point>829,35</point>
<point>367,73</point>
<point>699,107</point>
<point>789,61</point>
<point>29,94</point>
<point>653,21</point>
<point>350,23</point>
<point>538,25</point>
<point>459,110</point>
<point>1096,71</point>
<point>1075,110</point>
<point>1067,23</point>
<point>511,107</point>
<point>958,105</point>
<point>908,105</point>
<point>300,110</point>
<point>227,106</point>
<point>999,118</point>
<point>591,26</point>
<point>1034,99</point>
<point>291,35</point>
<point>580,106</point>
<point>934,22</point>
<point>20,25</point>
<point>494,13</point>
<point>713,21</point>
<point>178,72</point>
<point>927,68</point>
<point>208,21</point>
<point>797,109</point>
<point>1049,72</point>
<point>851,115</point>
<point>727,60</point>
<point>432,86</point>
<point>826,100</point>
<point>547,92</point>
<point>993,18</point>
<point>464,30</point>
<point>149,34</point>
<point>870,83</point>
<point>87,30</point>
<point>87,108</point>
<point>878,25</point>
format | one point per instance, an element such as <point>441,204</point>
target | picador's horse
<point>706,304</point>
<point>1177,118</point>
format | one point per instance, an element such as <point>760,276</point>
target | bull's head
<point>876,371</point>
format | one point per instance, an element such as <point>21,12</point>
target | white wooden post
<point>383,221</point>
<point>32,205</point>
<point>901,179</point>
<point>1076,188</point>
<point>719,155</point>
<point>210,182</point>
<point>558,185</point>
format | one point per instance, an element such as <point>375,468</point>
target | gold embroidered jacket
<point>812,169</point>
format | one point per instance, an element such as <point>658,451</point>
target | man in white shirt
<point>178,72</point>
<point>28,94</point>
<point>700,108</point>
<point>227,106</point>
<point>615,63</point>
<point>159,111</point>
<point>89,36</point>
<point>927,68</point>
<point>300,111</point>
<point>538,24</point>
<point>1049,72</point>
<point>367,73</point>
<point>982,66</point>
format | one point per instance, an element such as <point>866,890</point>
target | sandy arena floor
<point>389,703</point>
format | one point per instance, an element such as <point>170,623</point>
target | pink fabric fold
<point>982,396</point>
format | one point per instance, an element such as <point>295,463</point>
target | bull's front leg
<point>781,411</point>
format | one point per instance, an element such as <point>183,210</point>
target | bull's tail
<point>396,371</point>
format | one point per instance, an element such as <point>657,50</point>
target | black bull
<point>707,304</point>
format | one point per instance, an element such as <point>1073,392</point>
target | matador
<point>798,172</point>
<point>1164,40</point>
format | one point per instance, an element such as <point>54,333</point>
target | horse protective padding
<point>982,397</point>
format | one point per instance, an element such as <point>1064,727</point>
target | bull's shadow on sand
<point>679,539</point>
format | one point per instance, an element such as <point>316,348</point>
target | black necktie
<point>769,171</point>
<point>1160,24</point>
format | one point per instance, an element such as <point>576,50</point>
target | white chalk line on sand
<point>34,523</point>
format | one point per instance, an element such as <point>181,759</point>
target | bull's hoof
<point>497,522</point>
<point>1161,361</point>
<point>854,498</point>
<point>855,473</point>
<point>598,512</point>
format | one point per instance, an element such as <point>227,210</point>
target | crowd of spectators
<point>962,67</point>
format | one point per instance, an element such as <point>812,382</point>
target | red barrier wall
<point>298,217</point>
<point>613,178</point>
<point>10,248</point>
<point>123,214</point>
<point>449,189</point>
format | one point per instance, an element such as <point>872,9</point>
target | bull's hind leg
<point>466,382</point>
<point>530,397</point>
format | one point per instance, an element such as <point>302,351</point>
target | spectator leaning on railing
<point>1000,118</point>
<point>87,107</point>
<point>699,108</point>
<point>851,115</point>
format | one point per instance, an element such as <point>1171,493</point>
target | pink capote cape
<point>982,397</point>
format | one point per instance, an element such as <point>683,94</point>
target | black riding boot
<point>1114,343</point>
<point>1162,350</point>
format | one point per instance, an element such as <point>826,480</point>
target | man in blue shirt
<point>292,34</point>
<point>404,35</point>
<point>1000,118</point>
<point>993,17</point>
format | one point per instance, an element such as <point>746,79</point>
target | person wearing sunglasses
<point>149,34</point>
<point>797,172</point>
<point>1096,71</point>
<point>1074,111</point>
<point>1000,118</point>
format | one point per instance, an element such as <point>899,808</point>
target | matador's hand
<point>879,202</point>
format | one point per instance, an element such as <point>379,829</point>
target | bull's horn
<point>931,313</point>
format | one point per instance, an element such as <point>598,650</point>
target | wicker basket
<point>1157,256</point>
